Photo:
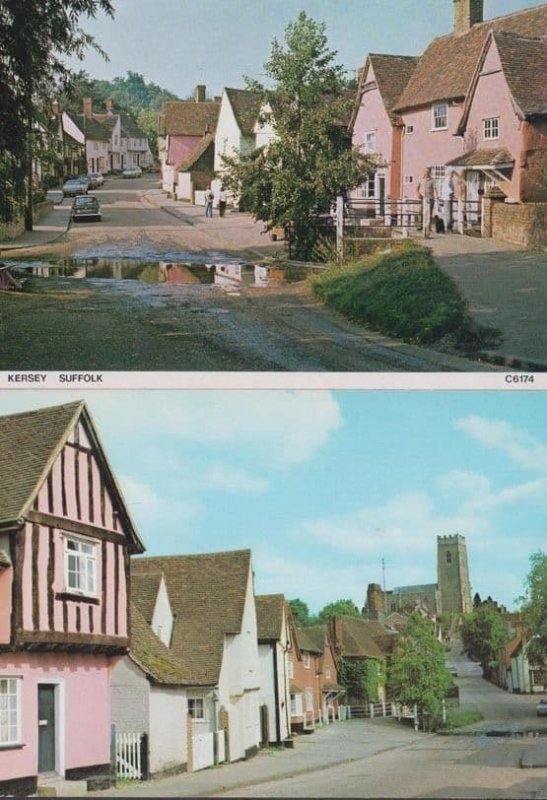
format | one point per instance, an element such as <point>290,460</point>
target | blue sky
<point>322,485</point>
<point>180,43</point>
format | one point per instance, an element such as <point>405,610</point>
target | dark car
<point>86,207</point>
<point>541,708</point>
<point>74,187</point>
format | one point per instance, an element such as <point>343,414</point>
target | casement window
<point>437,173</point>
<point>10,711</point>
<point>440,116</point>
<point>409,179</point>
<point>195,707</point>
<point>306,660</point>
<point>309,698</point>
<point>290,669</point>
<point>368,189</point>
<point>491,128</point>
<point>80,566</point>
<point>369,142</point>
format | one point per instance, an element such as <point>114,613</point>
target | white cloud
<point>464,481</point>
<point>522,448</point>
<point>230,479</point>
<point>144,503</point>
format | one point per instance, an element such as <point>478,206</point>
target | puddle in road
<point>229,275</point>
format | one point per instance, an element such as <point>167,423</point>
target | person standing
<point>426,190</point>
<point>222,201</point>
<point>446,194</point>
<point>209,197</point>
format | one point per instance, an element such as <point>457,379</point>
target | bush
<point>458,719</point>
<point>402,293</point>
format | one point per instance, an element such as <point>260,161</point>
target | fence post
<point>340,228</point>
<point>405,218</point>
<point>383,709</point>
<point>415,717</point>
<point>371,708</point>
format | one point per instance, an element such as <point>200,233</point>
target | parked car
<point>95,180</point>
<point>132,172</point>
<point>74,187</point>
<point>85,180</point>
<point>86,207</point>
<point>541,708</point>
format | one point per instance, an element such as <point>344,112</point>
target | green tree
<point>296,178</point>
<point>35,38</point>
<point>301,613</point>
<point>362,677</point>
<point>533,604</point>
<point>418,673</point>
<point>484,633</point>
<point>338,608</point>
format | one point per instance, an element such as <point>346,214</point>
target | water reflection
<point>228,275</point>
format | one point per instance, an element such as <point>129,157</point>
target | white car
<point>132,172</point>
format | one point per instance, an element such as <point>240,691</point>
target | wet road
<point>64,324</point>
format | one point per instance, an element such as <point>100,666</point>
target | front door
<point>46,728</point>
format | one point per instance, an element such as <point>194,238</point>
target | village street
<point>385,758</point>
<point>186,324</point>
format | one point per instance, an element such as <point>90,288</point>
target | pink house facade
<point>65,541</point>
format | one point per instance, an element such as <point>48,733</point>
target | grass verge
<point>459,719</point>
<point>403,293</point>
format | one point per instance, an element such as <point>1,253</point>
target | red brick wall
<point>524,224</point>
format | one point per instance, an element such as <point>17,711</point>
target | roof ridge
<point>73,404</point>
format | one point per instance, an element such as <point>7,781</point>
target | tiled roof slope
<point>207,595</point>
<point>392,75</point>
<point>93,129</point>
<point>197,152</point>
<point>144,592</point>
<point>356,637</point>
<point>151,655</point>
<point>130,128</point>
<point>246,107</point>
<point>269,615</point>
<point>29,443</point>
<point>311,638</point>
<point>524,63</point>
<point>188,118</point>
<point>445,70</point>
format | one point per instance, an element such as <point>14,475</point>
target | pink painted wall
<point>180,148</point>
<point>426,147</point>
<point>84,682</point>
<point>372,116</point>
<point>492,99</point>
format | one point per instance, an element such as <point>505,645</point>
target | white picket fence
<point>128,756</point>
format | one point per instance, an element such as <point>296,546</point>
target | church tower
<point>453,574</point>
<point>466,14</point>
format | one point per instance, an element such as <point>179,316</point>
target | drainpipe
<point>276,694</point>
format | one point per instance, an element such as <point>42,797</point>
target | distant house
<point>72,146</point>
<point>65,540</point>
<point>357,638</point>
<point>376,129</point>
<point>314,686</point>
<point>238,124</point>
<point>214,640</point>
<point>97,139</point>
<point>186,131</point>
<point>517,673</point>
<point>274,641</point>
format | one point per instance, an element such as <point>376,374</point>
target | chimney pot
<point>466,14</point>
<point>199,93</point>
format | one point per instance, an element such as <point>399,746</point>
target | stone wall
<point>523,224</point>
<point>11,230</point>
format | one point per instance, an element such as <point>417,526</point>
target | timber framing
<point>73,526</point>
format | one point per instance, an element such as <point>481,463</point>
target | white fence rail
<point>128,756</point>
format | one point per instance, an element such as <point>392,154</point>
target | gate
<point>203,751</point>
<point>131,757</point>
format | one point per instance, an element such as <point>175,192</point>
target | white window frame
<point>327,672</point>
<point>86,566</point>
<point>10,709</point>
<point>306,660</point>
<point>439,116</point>
<point>308,699</point>
<point>409,129</point>
<point>290,668</point>
<point>293,704</point>
<point>491,128</point>
<point>369,142</point>
<point>438,173</point>
<point>196,708</point>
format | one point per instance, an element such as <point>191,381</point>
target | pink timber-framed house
<point>65,541</point>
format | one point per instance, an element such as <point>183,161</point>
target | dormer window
<point>440,116</point>
<point>80,566</point>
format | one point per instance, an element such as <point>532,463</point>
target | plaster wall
<point>168,728</point>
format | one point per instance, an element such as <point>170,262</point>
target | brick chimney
<point>466,14</point>
<point>199,93</point>
<point>88,107</point>
<point>109,105</point>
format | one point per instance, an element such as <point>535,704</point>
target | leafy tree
<point>299,174</point>
<point>301,613</point>
<point>362,677</point>
<point>534,607</point>
<point>418,674</point>
<point>483,635</point>
<point>35,37</point>
<point>337,609</point>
